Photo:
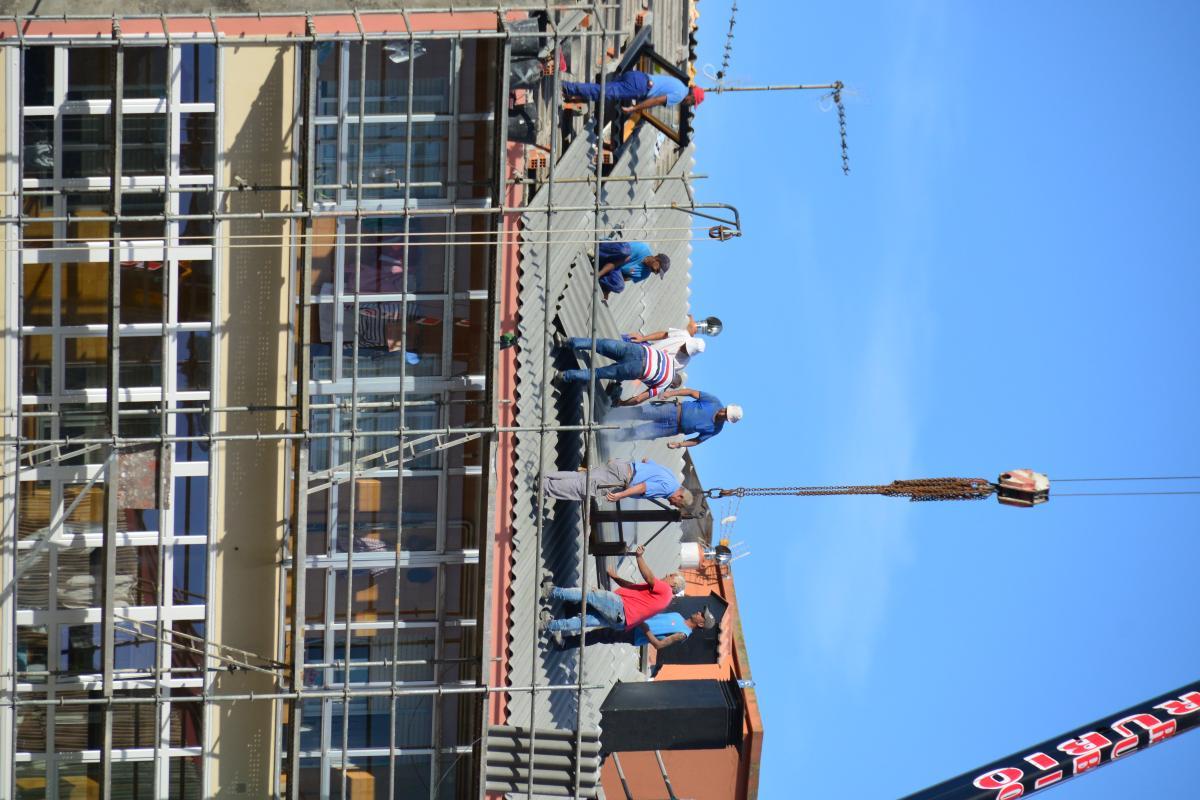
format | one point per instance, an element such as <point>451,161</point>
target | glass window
<point>385,260</point>
<point>39,294</point>
<point>31,730</point>
<point>326,155</point>
<point>477,76</point>
<point>474,244</point>
<point>82,208</point>
<point>184,778</point>
<point>133,726</point>
<point>143,204</point>
<point>462,590</point>
<point>187,720</point>
<point>195,291</point>
<point>198,69</point>
<point>386,149</point>
<point>79,649</point>
<point>464,496</point>
<point>194,361</point>
<point>32,651</point>
<point>476,159</point>
<point>190,506</point>
<point>135,779</point>
<point>368,724</point>
<point>87,146</point>
<point>328,68</point>
<point>86,363</point>
<point>33,504</point>
<point>39,147</point>
<point>191,424</point>
<point>85,293</point>
<point>191,574</point>
<point>36,233</point>
<point>185,659</point>
<point>387,77</point>
<point>145,72</point>
<point>472,340</point>
<point>144,144</point>
<point>141,361</point>
<point>36,364</point>
<point>142,291</point>
<point>197,143</point>
<point>90,73</point>
<point>195,231</point>
<point>39,76</point>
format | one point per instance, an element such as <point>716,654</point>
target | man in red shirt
<point>624,609</point>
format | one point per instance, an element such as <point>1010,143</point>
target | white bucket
<point>690,555</point>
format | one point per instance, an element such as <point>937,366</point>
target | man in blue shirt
<point>619,479</point>
<point>646,91</point>
<point>704,415</point>
<point>628,261</point>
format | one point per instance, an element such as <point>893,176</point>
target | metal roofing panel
<point>650,305</point>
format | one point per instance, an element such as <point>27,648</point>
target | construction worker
<point>646,91</point>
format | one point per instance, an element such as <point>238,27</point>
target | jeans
<point>604,610</point>
<point>657,420</point>
<point>631,85</point>
<point>630,359</point>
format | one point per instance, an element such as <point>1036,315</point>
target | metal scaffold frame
<point>290,665</point>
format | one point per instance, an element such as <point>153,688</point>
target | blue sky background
<point>1007,279</point>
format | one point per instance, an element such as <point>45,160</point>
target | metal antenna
<point>835,94</point>
<point>728,45</point>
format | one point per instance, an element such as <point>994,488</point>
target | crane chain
<point>918,490</point>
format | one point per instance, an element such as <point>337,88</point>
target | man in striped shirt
<point>631,361</point>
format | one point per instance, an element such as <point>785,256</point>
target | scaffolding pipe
<point>310,435</point>
<point>455,211</point>
<point>300,517</point>
<point>112,508</point>
<point>392,691</point>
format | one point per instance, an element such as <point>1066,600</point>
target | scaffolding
<point>185,665</point>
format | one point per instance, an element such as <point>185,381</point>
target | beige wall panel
<point>257,92</point>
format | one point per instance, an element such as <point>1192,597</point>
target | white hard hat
<point>733,412</point>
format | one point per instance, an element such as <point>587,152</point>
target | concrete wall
<point>256,141</point>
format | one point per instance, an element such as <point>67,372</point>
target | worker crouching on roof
<point>619,479</point>
<point>703,416</point>
<point>661,630</point>
<point>628,261</point>
<point>636,91</point>
<point>622,610</point>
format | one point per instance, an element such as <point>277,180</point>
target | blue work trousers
<point>629,358</point>
<point>604,610</point>
<point>630,85</point>
<point>656,421</point>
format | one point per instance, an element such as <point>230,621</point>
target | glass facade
<point>168,305</point>
<point>400,336</point>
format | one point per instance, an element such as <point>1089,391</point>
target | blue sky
<point>1006,279</point>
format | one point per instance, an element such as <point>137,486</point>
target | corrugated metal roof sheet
<point>562,270</point>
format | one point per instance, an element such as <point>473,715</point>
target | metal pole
<point>555,43</point>
<point>784,87</point>
<point>662,769</point>
<point>1080,750</point>
<point>392,691</point>
<point>423,211</point>
<point>112,510</point>
<point>300,516</point>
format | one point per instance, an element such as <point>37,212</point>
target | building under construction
<point>281,293</point>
